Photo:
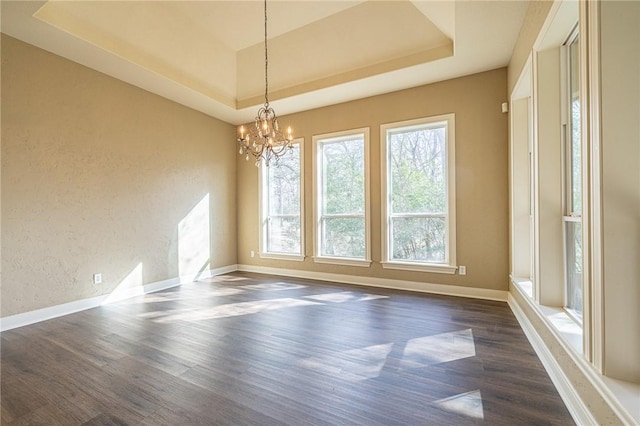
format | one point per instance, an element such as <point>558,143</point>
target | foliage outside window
<point>342,197</point>
<point>418,190</point>
<point>282,226</point>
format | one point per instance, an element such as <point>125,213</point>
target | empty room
<point>408,212</point>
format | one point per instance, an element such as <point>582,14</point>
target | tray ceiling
<point>209,55</point>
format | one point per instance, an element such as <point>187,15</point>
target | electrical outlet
<point>97,278</point>
<point>253,254</point>
<point>462,270</point>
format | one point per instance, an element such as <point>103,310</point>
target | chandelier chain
<point>264,140</point>
<point>266,59</point>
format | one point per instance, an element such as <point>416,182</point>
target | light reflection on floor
<point>365,363</point>
<point>230,310</point>
<point>445,347</point>
<point>344,296</point>
<point>352,365</point>
<point>468,404</point>
<point>273,286</point>
<point>175,296</point>
<point>240,308</point>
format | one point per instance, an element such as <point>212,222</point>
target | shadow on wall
<point>194,252</point>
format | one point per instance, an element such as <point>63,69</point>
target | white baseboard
<point>449,290</point>
<point>31,317</point>
<point>568,393</point>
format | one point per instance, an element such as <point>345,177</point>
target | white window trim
<point>264,254</point>
<point>449,266</point>
<point>567,179</point>
<point>346,261</point>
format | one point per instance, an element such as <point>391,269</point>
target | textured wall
<point>481,176</point>
<point>620,126</point>
<point>101,176</point>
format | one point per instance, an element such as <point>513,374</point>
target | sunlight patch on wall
<point>194,242</point>
<point>353,365</point>
<point>468,404</point>
<point>130,286</point>
<point>445,347</point>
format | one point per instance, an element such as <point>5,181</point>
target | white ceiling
<point>209,55</point>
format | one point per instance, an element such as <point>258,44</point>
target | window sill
<point>525,284</point>
<point>565,327</point>
<point>622,396</point>
<point>282,256</point>
<point>421,267</point>
<point>363,263</point>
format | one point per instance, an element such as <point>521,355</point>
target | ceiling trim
<point>418,58</point>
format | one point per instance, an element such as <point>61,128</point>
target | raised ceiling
<point>209,55</point>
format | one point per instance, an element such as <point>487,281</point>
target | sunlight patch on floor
<point>273,286</point>
<point>439,348</point>
<point>352,365</point>
<point>223,278</point>
<point>366,363</point>
<point>468,404</point>
<point>180,296</point>
<point>232,310</point>
<point>344,296</point>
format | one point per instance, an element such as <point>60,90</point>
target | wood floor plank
<point>250,349</point>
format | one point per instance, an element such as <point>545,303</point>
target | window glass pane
<point>417,160</point>
<point>343,177</point>
<point>574,267</point>
<point>573,177</point>
<point>574,123</point>
<point>343,237</point>
<point>418,239</point>
<point>282,204</point>
<point>283,184</point>
<point>283,234</point>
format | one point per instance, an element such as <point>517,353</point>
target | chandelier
<point>264,140</point>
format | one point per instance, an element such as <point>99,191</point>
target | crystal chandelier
<point>264,139</point>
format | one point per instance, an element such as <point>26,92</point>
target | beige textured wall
<point>534,19</point>
<point>481,176</point>
<point>548,199</point>
<point>98,176</point>
<point>620,125</point>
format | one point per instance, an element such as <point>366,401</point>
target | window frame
<point>318,141</point>
<point>449,265</point>
<point>264,212</point>
<point>570,215</point>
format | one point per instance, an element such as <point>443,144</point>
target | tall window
<point>573,182</point>
<point>282,206</point>
<point>342,200</point>
<point>419,195</point>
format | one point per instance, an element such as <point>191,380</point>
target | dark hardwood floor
<point>247,349</point>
